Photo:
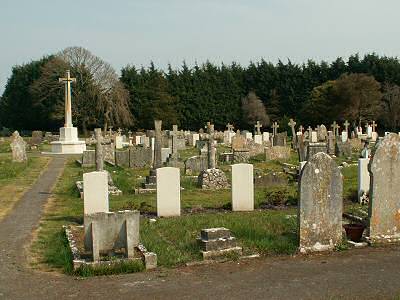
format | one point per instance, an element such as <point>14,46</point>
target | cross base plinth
<point>68,143</point>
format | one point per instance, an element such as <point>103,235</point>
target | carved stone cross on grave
<point>211,146</point>
<point>335,128</point>
<point>292,123</point>
<point>258,127</point>
<point>129,134</point>
<point>301,128</point>
<point>99,150</point>
<point>119,131</point>
<point>275,127</point>
<point>346,126</point>
<point>230,127</point>
<point>67,80</point>
<point>174,135</point>
<point>374,125</point>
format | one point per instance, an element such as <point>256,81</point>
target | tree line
<point>359,89</point>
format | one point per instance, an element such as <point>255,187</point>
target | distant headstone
<point>242,187</point>
<point>88,158</point>
<point>320,206</point>
<point>384,204</point>
<point>18,148</point>
<point>322,133</point>
<point>37,137</point>
<point>314,148</point>
<point>277,153</point>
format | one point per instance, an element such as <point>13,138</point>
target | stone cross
<point>275,127</point>
<point>346,126</point>
<point>211,146</point>
<point>174,135</point>
<point>335,128</point>
<point>301,128</point>
<point>119,131</point>
<point>292,123</point>
<point>157,144</point>
<point>374,125</point>
<point>99,150</point>
<point>366,128</point>
<point>129,134</point>
<point>258,127</point>
<point>67,80</point>
<point>230,127</point>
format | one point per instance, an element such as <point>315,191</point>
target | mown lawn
<point>264,231</point>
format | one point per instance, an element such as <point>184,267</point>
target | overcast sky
<point>169,31</point>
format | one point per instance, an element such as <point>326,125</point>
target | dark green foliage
<point>192,96</point>
<point>18,110</point>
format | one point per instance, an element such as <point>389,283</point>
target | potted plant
<point>355,229</point>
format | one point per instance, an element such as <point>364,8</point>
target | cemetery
<point>164,216</point>
<point>206,150</point>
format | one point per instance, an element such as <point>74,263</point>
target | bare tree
<point>98,96</point>
<point>254,110</point>
<point>391,105</point>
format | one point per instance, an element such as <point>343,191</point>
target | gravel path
<point>371,273</point>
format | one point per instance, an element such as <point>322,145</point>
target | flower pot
<point>354,232</point>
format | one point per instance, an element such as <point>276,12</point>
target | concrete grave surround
<point>242,187</point>
<point>105,232</point>
<point>384,204</point>
<point>95,192</point>
<point>321,204</point>
<point>168,192</point>
<point>363,176</point>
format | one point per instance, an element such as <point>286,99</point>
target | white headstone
<point>369,131</point>
<point>344,136</point>
<point>193,139</point>
<point>249,135</point>
<point>374,136</point>
<point>95,192</point>
<point>168,192</point>
<point>363,176</point>
<point>314,137</point>
<point>258,139</point>
<point>265,136</point>
<point>118,142</point>
<point>242,187</point>
<point>138,140</point>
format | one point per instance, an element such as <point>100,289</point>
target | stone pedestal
<point>68,143</point>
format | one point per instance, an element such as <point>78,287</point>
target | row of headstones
<point>321,200</point>
<point>95,189</point>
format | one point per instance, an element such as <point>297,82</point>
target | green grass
<point>267,232</point>
<point>264,232</point>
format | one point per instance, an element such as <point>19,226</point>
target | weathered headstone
<point>18,148</point>
<point>99,150</point>
<point>384,204</point>
<point>157,144</point>
<point>320,205</point>
<point>139,157</point>
<point>322,133</point>
<point>88,158</point>
<point>314,148</point>
<point>242,187</point>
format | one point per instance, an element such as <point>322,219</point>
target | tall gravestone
<point>242,187</point>
<point>384,204</point>
<point>168,192</point>
<point>157,144</point>
<point>321,204</point>
<point>99,150</point>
